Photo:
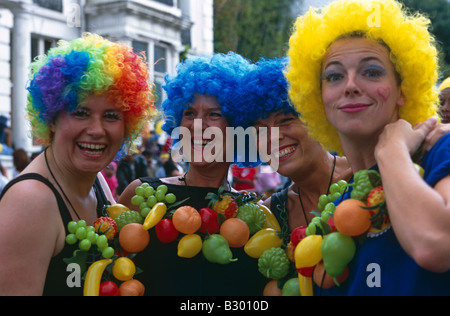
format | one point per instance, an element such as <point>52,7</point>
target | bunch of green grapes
<point>87,238</point>
<point>146,197</point>
<point>319,224</point>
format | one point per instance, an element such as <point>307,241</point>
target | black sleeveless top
<point>166,274</point>
<point>56,280</point>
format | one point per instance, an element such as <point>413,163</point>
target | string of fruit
<point>106,250</point>
<point>329,242</point>
<point>230,222</point>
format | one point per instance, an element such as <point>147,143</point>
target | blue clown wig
<point>218,76</point>
<point>263,91</point>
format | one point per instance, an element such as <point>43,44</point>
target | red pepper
<point>210,221</point>
<point>166,232</point>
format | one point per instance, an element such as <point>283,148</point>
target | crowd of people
<point>349,96</point>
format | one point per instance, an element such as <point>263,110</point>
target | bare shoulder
<point>128,193</point>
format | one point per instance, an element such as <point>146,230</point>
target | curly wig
<point>444,85</point>
<point>263,92</point>
<point>412,52</point>
<point>91,65</point>
<point>216,76</point>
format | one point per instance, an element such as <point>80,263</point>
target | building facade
<point>163,29</point>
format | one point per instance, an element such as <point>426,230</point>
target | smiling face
<point>444,110</point>
<point>359,88</point>
<point>295,145</point>
<point>204,114</point>
<point>91,136</point>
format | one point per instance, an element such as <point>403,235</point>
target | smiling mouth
<point>285,152</point>
<point>352,108</point>
<point>92,149</point>
<point>202,142</point>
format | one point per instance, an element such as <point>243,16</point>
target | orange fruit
<point>272,289</point>
<point>327,282</point>
<point>236,232</point>
<point>132,288</point>
<point>187,220</point>
<point>133,238</point>
<point>351,219</point>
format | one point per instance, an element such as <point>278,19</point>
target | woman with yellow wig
<point>363,74</point>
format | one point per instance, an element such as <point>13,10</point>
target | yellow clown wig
<point>444,85</point>
<point>412,49</point>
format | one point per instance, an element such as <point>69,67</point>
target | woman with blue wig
<point>199,97</point>
<point>302,159</point>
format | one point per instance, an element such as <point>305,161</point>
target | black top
<point>56,281</point>
<point>166,274</point>
<point>278,202</point>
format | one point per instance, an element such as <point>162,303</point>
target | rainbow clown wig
<point>90,65</point>
<point>412,48</point>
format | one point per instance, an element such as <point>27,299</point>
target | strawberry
<point>376,196</point>
<point>106,226</point>
<point>376,204</point>
<point>223,203</point>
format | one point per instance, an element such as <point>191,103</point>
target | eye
<point>188,113</point>
<point>113,115</point>
<point>374,71</point>
<point>80,113</point>
<point>332,76</point>
<point>286,120</point>
<point>216,114</point>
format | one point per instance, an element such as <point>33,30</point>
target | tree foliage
<point>438,11</point>
<point>253,28</point>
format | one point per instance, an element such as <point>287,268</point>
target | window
<point>55,5</point>
<point>40,45</point>
<point>139,47</point>
<point>167,2</point>
<point>160,59</point>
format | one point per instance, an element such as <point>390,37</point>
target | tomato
<point>210,223</point>
<point>166,232</point>
<point>297,235</point>
<point>109,288</point>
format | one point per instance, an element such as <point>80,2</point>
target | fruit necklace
<point>59,186</point>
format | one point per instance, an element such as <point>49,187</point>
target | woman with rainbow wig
<point>87,101</point>
<point>362,74</point>
<point>200,97</point>
<point>444,96</point>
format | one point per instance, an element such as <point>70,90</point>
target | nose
<point>95,127</point>
<point>352,88</point>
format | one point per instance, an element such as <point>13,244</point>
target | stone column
<point>21,58</point>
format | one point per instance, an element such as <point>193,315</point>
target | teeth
<point>287,151</point>
<point>92,147</point>
<point>201,142</point>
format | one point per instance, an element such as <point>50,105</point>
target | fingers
<point>435,135</point>
<point>426,127</point>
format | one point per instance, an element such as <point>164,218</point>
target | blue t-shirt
<point>381,267</point>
